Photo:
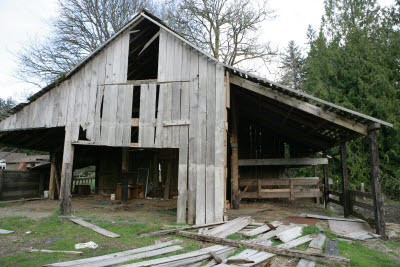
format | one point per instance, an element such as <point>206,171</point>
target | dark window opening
<point>143,51</point>
<point>136,102</point>
<point>82,134</point>
<point>134,134</point>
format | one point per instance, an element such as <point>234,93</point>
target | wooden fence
<point>18,184</point>
<point>353,200</point>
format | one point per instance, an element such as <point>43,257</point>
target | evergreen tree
<point>292,66</point>
<point>354,62</point>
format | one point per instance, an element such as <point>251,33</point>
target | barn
<point>147,97</point>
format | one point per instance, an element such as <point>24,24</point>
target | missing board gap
<point>134,134</point>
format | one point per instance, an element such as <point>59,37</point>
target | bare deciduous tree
<point>80,27</point>
<point>227,29</point>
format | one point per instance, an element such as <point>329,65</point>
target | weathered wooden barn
<point>148,96</point>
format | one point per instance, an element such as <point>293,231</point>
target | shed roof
<point>300,95</point>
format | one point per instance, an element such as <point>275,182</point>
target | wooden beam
<point>135,122</point>
<point>345,181</point>
<point>149,42</point>
<point>283,162</point>
<point>376,183</point>
<point>280,181</point>
<point>168,180</point>
<point>234,156</point>
<point>66,173</point>
<point>301,105</point>
<point>270,249</point>
<point>52,181</point>
<point>124,178</point>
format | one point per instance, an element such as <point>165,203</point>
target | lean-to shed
<point>148,90</point>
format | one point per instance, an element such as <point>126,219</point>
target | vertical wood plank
<point>376,182</point>
<point>112,115</point>
<point>345,181</point>
<point>193,131</point>
<point>92,99</point>
<point>210,142</point>
<point>120,115</point>
<point>126,135</point>
<point>219,144</point>
<point>162,56</point>
<point>160,117</point>
<point>326,183</point>
<point>183,139</point>
<point>201,143</point>
<point>234,156</point>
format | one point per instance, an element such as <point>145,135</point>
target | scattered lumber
<point>115,255</point>
<point>315,246</point>
<point>331,247</point>
<point>99,220</point>
<point>296,242</point>
<point>321,217</point>
<point>257,231</point>
<point>173,231</point>
<point>4,232</point>
<point>249,257</point>
<point>56,251</point>
<point>290,234</point>
<point>95,228</point>
<point>269,249</point>
<point>230,227</point>
<point>215,257</point>
<point>182,259</point>
<point>263,239</point>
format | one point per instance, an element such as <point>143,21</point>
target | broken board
<point>95,228</point>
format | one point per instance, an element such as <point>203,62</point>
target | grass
<point>3,205</point>
<point>310,229</point>
<point>235,236</point>
<point>71,234</point>
<point>331,212</point>
<point>360,255</point>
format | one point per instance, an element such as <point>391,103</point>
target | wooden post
<point>376,181</point>
<point>326,183</point>
<point>97,177</point>
<point>315,167</point>
<point>52,180</point>
<point>345,181</point>
<point>234,157</point>
<point>168,180</point>
<point>291,189</point>
<point>66,173</point>
<point>124,178</point>
<point>1,181</point>
<point>155,170</point>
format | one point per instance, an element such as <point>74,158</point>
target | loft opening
<point>143,51</point>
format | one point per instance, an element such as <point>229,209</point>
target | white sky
<point>21,20</point>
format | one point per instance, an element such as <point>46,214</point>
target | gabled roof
<point>350,114</point>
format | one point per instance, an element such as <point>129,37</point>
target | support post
<point>97,177</point>
<point>315,167</point>
<point>124,178</point>
<point>155,170</point>
<point>376,181</point>
<point>66,173</point>
<point>234,158</point>
<point>326,183</point>
<point>345,181</point>
<point>52,180</point>
<point>168,180</point>
<point>1,181</point>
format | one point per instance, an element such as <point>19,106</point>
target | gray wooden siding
<point>190,115</point>
<point>77,102</point>
<point>194,92</point>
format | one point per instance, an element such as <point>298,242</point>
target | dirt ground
<point>165,213</point>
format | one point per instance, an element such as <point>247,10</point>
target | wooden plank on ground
<point>296,242</point>
<point>95,228</point>
<point>230,227</point>
<point>331,247</point>
<point>56,251</point>
<point>257,231</point>
<point>290,234</point>
<point>321,217</point>
<point>264,238</point>
<point>175,258</point>
<point>223,253</point>
<point>270,249</point>
<point>147,254</point>
<point>315,246</point>
<point>115,255</point>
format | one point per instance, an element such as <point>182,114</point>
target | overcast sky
<point>22,20</point>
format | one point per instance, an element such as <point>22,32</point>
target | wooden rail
<point>283,162</point>
<point>353,201</point>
